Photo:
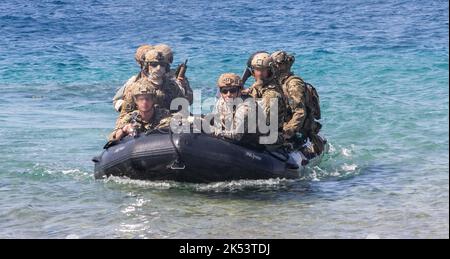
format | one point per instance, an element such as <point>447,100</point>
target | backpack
<point>312,101</point>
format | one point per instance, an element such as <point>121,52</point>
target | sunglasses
<point>155,64</point>
<point>229,90</point>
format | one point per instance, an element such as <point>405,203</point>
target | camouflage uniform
<point>232,120</point>
<point>231,116</point>
<point>173,88</point>
<point>267,92</point>
<point>299,118</point>
<point>161,119</point>
<point>184,87</point>
<point>168,90</point>
<point>184,91</point>
<point>294,91</point>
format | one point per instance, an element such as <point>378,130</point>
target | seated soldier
<point>268,93</point>
<point>231,111</point>
<point>303,107</point>
<point>147,117</point>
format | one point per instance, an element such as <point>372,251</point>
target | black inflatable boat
<point>197,158</point>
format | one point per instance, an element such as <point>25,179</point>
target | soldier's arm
<point>121,128</point>
<point>127,106</point>
<point>118,99</point>
<point>296,92</point>
<point>188,93</point>
<point>181,89</point>
<point>252,90</point>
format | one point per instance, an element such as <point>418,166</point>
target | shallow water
<point>381,69</point>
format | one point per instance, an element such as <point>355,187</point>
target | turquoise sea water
<point>381,69</point>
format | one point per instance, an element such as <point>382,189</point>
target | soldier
<point>170,76</point>
<point>267,89</point>
<point>231,109</point>
<point>181,80</point>
<point>148,116</point>
<point>173,75</point>
<point>154,74</point>
<point>302,103</point>
<point>139,57</point>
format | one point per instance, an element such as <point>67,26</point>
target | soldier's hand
<point>128,129</point>
<point>245,91</point>
<point>182,81</point>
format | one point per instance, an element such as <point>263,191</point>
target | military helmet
<point>154,55</point>
<point>229,80</point>
<point>166,51</point>
<point>261,60</point>
<point>144,90</point>
<point>139,56</point>
<point>282,57</point>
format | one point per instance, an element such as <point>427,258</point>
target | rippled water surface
<point>381,69</point>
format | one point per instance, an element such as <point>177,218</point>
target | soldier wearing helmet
<point>139,55</point>
<point>231,110</point>
<point>148,115</point>
<point>155,73</point>
<point>144,56</point>
<point>180,80</point>
<point>266,89</point>
<point>156,66</point>
<point>166,51</point>
<point>301,113</point>
<point>230,86</point>
<point>157,70</point>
